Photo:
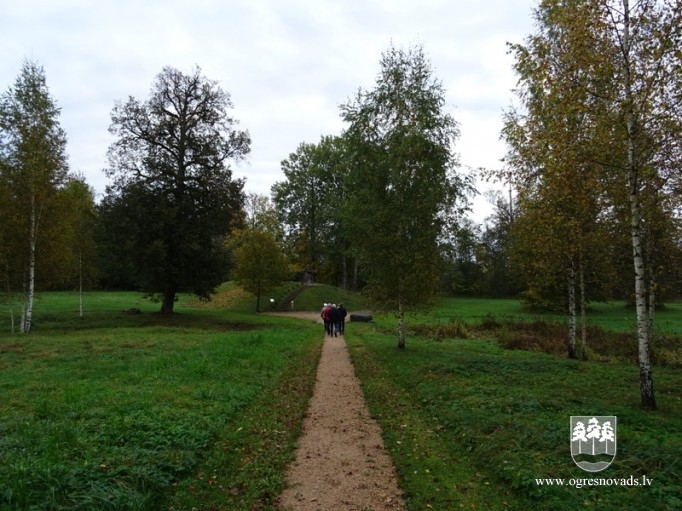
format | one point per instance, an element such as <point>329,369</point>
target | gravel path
<point>341,462</point>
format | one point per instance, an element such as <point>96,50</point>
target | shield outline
<point>589,466</point>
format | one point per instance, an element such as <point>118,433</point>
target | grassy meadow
<point>134,411</point>
<point>121,410</point>
<point>473,425</point>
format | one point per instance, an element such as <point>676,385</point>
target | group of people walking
<point>334,317</point>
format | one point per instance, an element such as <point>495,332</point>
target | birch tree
<point>80,270</point>
<point>33,168</point>
<point>647,36</point>
<point>552,142</point>
<point>402,180</point>
<point>626,64</point>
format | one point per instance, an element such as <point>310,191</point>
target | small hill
<point>312,297</point>
<point>308,297</point>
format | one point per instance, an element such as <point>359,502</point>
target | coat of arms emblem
<point>593,441</point>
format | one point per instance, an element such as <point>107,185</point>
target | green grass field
<point>126,411</point>
<point>471,425</point>
<point>140,412</point>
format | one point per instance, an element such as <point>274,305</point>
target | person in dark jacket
<point>335,318</point>
<point>342,318</point>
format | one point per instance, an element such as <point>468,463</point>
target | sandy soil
<point>341,462</point>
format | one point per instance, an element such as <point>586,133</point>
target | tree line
<point>592,171</point>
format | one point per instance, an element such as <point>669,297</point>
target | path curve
<point>341,461</point>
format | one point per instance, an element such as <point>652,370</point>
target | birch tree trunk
<point>646,382</point>
<point>571,311</point>
<point>643,317</point>
<point>582,349</point>
<point>28,316</point>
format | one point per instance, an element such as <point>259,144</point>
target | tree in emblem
<point>599,430</point>
<point>579,436</point>
<point>593,431</point>
<point>607,435</point>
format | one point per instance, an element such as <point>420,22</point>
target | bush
<point>455,329</point>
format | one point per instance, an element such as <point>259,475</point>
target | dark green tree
<point>173,199</point>
<point>462,273</point>
<point>500,276</point>
<point>401,185</point>
<point>310,203</point>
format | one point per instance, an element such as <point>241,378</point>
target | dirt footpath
<point>341,462</point>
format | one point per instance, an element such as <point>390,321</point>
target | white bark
<point>583,313</point>
<point>571,311</point>
<point>643,326</point>
<point>30,293</point>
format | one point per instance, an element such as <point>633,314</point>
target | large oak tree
<point>173,198</point>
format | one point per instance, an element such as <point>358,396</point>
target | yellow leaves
<point>227,296</point>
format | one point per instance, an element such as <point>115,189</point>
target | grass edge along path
<point>246,467</point>
<point>428,475</point>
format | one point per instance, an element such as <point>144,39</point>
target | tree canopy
<point>310,203</point>
<point>401,184</point>
<point>33,169</point>
<point>600,85</point>
<point>174,200</point>
<point>259,260</point>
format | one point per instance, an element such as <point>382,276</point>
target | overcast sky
<point>287,64</point>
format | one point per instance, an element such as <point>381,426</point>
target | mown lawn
<point>471,425</point>
<point>133,411</point>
